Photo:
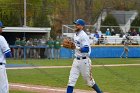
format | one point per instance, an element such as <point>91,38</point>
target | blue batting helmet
<point>80,22</point>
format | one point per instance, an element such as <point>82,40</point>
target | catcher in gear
<point>67,43</point>
<point>81,63</point>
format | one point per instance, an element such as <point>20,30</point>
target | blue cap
<point>80,22</point>
<point>1,25</point>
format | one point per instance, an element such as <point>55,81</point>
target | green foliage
<point>136,22</point>
<point>41,21</point>
<point>53,33</point>
<point>110,21</point>
<point>9,19</point>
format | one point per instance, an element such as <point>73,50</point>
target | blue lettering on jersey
<point>77,43</point>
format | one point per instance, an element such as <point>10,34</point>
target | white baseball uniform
<point>4,87</point>
<point>82,62</point>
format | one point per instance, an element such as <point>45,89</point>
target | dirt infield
<point>43,89</point>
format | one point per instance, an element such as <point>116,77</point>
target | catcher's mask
<point>79,22</point>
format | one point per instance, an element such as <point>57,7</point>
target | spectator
<point>113,32</point>
<point>96,35</point>
<point>134,33</point>
<point>99,32</point>
<point>91,40</point>
<point>130,32</point>
<point>101,40</point>
<point>95,40</point>
<point>57,46</point>
<point>105,40</point>
<point>108,32</point>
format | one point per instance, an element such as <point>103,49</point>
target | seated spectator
<point>95,40</point>
<point>91,40</point>
<point>130,32</point>
<point>96,35</point>
<point>105,40</point>
<point>113,32</point>
<point>134,33</point>
<point>99,32</point>
<point>101,39</point>
<point>108,32</point>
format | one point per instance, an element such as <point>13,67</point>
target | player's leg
<point>4,88</point>
<point>87,75</point>
<point>122,53</point>
<point>58,53</point>
<point>49,53</point>
<point>52,54</point>
<point>74,74</point>
<point>126,53</point>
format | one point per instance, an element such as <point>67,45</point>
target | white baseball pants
<point>82,66</point>
<point>4,87</point>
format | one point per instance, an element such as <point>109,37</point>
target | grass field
<point>68,62</point>
<point>110,79</point>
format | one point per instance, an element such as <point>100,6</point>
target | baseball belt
<point>2,63</point>
<point>79,58</point>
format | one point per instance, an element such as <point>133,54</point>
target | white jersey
<point>4,47</point>
<point>81,39</point>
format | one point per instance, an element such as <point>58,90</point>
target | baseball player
<point>81,63</point>
<point>126,49</point>
<point>5,52</point>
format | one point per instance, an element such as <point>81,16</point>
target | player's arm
<point>5,48</point>
<point>8,53</point>
<point>84,49</point>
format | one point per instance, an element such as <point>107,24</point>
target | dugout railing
<point>23,50</point>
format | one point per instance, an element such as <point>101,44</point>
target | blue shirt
<point>108,33</point>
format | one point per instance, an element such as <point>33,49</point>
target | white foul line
<point>33,67</point>
<point>37,88</point>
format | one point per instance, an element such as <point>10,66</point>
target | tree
<point>136,22</point>
<point>110,21</point>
